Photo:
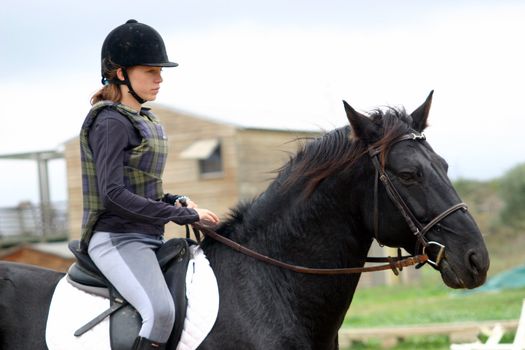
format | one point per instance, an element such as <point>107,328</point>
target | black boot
<point>146,344</point>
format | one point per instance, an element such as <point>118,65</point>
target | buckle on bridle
<point>416,136</point>
<point>439,256</point>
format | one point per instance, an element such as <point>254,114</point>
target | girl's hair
<point>110,91</point>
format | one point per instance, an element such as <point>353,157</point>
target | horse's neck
<point>310,232</point>
<point>318,226</point>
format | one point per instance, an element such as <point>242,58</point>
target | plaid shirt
<point>143,171</point>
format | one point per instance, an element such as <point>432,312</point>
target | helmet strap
<point>131,91</point>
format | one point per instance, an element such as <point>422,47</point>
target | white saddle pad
<point>71,308</point>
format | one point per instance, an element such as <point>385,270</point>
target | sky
<point>274,64</point>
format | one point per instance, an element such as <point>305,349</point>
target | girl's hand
<point>191,204</point>
<point>207,217</point>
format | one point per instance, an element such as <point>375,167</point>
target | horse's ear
<point>362,127</point>
<point>420,115</point>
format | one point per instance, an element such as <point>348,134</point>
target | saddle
<point>125,321</point>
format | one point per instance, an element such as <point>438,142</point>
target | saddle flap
<point>172,249</point>
<point>175,275</point>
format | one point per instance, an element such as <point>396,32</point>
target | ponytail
<point>110,91</point>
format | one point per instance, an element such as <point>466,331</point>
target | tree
<point>512,188</point>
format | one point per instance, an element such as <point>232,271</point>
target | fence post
<point>45,207</point>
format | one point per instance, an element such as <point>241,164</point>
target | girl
<point>123,153</point>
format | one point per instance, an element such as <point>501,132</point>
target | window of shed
<point>212,165</point>
<point>208,154</point>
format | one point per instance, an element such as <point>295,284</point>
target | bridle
<point>393,263</point>
<point>416,227</point>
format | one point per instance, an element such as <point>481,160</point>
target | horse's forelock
<point>395,122</point>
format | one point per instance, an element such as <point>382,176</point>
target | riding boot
<point>146,344</point>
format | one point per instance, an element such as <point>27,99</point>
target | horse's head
<point>414,204</point>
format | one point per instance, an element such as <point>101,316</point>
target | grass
<point>414,343</point>
<point>427,302</point>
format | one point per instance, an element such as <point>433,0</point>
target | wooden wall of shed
<point>261,153</point>
<point>74,187</point>
<point>182,176</point>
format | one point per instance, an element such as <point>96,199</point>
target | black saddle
<point>125,321</point>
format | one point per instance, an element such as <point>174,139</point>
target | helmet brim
<point>163,64</point>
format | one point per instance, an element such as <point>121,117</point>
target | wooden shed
<point>217,164</point>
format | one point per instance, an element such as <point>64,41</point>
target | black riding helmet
<point>133,44</point>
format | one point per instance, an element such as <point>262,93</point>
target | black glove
<point>173,198</point>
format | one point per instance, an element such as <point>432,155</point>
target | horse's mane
<point>340,149</point>
<point>319,158</point>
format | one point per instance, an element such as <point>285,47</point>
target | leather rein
<point>395,264</point>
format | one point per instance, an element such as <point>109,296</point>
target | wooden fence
<point>28,222</point>
<point>389,336</point>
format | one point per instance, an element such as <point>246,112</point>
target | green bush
<point>512,191</point>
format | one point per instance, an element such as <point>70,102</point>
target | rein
<point>395,264</point>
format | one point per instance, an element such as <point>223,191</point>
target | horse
<point>376,178</point>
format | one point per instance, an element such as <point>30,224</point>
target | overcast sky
<point>274,63</point>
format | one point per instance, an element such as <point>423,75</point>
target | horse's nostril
<point>477,262</point>
<point>474,262</point>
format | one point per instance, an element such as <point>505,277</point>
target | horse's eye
<point>406,176</point>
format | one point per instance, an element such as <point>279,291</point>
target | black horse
<point>322,210</point>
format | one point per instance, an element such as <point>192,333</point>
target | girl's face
<point>145,81</point>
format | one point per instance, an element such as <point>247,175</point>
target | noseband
<point>418,229</point>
